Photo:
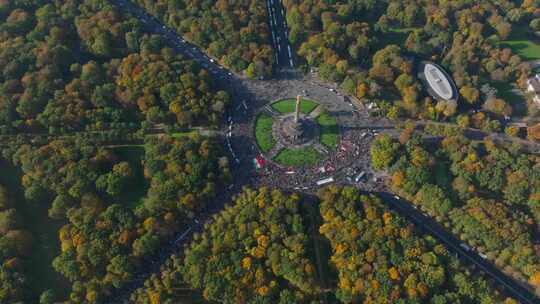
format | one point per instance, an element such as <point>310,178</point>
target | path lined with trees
<point>238,94</point>
<point>85,181</point>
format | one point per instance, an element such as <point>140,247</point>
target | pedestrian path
<point>316,112</point>
<point>270,111</point>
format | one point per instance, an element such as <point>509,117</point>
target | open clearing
<point>523,43</point>
<point>187,133</point>
<point>288,106</point>
<point>46,245</point>
<point>138,185</point>
<point>263,132</point>
<point>329,130</point>
<point>298,157</point>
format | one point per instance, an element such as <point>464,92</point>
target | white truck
<point>325,181</point>
<point>359,176</point>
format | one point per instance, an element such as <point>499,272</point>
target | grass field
<point>298,157</point>
<point>46,246</point>
<point>139,185</point>
<point>523,43</point>
<point>329,130</point>
<point>319,249</point>
<point>504,91</point>
<point>516,101</point>
<point>285,106</point>
<point>263,132</point>
<point>184,134</point>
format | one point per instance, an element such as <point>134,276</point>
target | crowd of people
<point>341,165</point>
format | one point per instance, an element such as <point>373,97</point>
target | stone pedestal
<point>293,128</point>
<point>294,133</point>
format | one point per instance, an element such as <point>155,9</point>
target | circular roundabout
<point>296,132</point>
<point>303,146</point>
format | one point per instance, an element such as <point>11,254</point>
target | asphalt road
<point>466,253</point>
<point>178,43</point>
<point>240,118</point>
<point>280,34</point>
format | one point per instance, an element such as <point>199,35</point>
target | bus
<point>325,181</point>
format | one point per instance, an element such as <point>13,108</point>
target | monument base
<point>298,132</point>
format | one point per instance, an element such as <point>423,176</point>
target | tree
<point>60,206</point>
<point>239,257</point>
<point>470,94</point>
<point>115,181</point>
<point>9,220</point>
<point>533,133</point>
<point>433,198</point>
<point>243,44</point>
<point>480,186</point>
<point>379,256</point>
<point>47,297</point>
<point>145,245</point>
<point>498,106</point>
<point>383,151</point>
<point>122,267</point>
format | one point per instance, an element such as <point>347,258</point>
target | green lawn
<point>263,132</point>
<point>518,103</point>
<point>298,157</point>
<point>523,43</point>
<point>504,91</point>
<point>184,133</point>
<point>329,130</point>
<point>139,185</point>
<point>46,245</point>
<point>285,106</point>
<point>319,249</point>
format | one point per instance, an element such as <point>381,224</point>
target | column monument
<point>297,112</point>
<point>295,128</point>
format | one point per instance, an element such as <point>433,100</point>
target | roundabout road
<point>353,124</point>
<point>249,96</point>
